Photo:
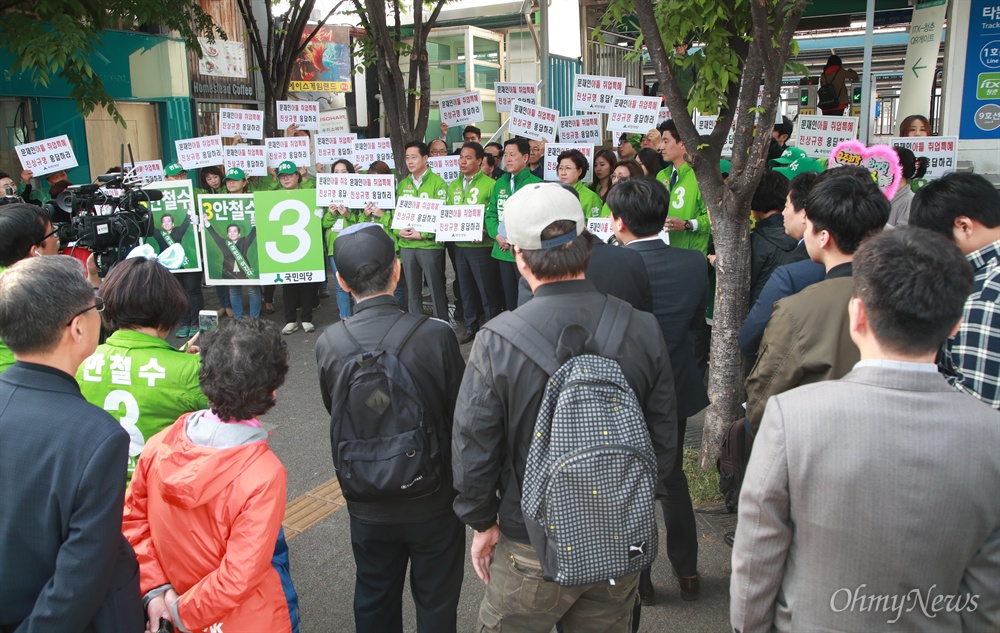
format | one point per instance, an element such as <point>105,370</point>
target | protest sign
<point>940,152</point>
<point>461,109</point>
<point>230,239</point>
<point>593,93</point>
<point>369,150</point>
<point>332,147</point>
<point>172,220</point>
<point>290,237</point>
<point>580,129</point>
<point>460,223</point>
<point>332,189</point>
<point>147,171</point>
<point>203,151</point>
<point>881,160</point>
<point>248,124</point>
<point>552,151</point>
<point>705,124</point>
<point>416,213</point>
<point>304,114</point>
<point>252,159</point>
<point>633,114</point>
<point>506,93</point>
<point>365,188</point>
<point>600,228</point>
<point>47,156</point>
<point>534,122</point>
<point>445,166</point>
<point>818,135</point>
<point>293,148</point>
<point>663,114</point>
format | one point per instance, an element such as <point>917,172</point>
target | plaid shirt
<point>972,362</point>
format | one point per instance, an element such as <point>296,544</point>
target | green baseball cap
<point>287,167</point>
<point>173,169</point>
<point>799,166</point>
<point>790,155</point>
<point>725,166</point>
<point>235,173</point>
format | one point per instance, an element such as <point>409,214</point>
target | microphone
<point>151,195</point>
<point>109,177</point>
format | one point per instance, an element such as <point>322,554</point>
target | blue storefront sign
<point>981,92</point>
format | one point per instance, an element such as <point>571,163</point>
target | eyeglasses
<point>98,305</point>
<point>47,236</point>
<point>567,168</point>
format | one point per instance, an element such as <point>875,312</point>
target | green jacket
<point>686,203</point>
<point>330,221</point>
<point>590,201</point>
<point>479,192</point>
<point>494,210</point>
<point>432,186</point>
<point>142,382</point>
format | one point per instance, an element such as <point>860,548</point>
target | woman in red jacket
<point>208,495</point>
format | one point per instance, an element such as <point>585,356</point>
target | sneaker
<point>183,332</point>
<point>289,328</point>
<point>308,327</point>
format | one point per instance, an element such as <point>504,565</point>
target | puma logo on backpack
<point>589,484</point>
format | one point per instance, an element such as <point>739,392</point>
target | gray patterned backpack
<point>589,484</point>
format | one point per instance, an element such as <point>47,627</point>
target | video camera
<point>9,196</point>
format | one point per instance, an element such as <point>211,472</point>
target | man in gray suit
<point>64,564</point>
<point>870,502</point>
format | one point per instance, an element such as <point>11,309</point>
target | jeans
<point>343,298</point>
<point>236,299</point>
<point>222,292</point>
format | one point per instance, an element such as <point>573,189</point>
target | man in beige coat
<point>807,339</point>
<point>870,502</point>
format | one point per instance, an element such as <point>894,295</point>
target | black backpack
<point>734,456</point>
<point>827,96</point>
<point>383,449</point>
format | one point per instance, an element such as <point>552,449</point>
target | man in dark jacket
<point>65,564</point>
<point>499,402</point>
<point>769,244</point>
<point>422,530</point>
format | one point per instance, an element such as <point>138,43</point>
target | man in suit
<point>66,565</point>
<point>679,281</point>
<point>869,502</point>
<point>807,339</point>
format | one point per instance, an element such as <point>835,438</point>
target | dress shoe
<point>468,338</point>
<point>690,587</point>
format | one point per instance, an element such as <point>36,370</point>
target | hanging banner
<point>304,114</point>
<point>369,150</point>
<point>203,151</point>
<point>173,217</point>
<point>580,129</point>
<point>290,237</point>
<point>252,159</point>
<point>534,122</point>
<point>460,223</point>
<point>416,213</point>
<point>818,135</point>
<point>461,109</point>
<point>445,166</point>
<point>47,156</point>
<point>507,93</point>
<point>230,239</point>
<point>552,151</point>
<point>332,147</point>
<point>633,114</point>
<point>293,148</point>
<point>247,124</point>
<point>593,93</point>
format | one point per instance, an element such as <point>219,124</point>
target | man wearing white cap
<point>499,401</point>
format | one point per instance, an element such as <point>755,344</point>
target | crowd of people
<point>869,326</point>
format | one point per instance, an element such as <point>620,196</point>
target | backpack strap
<point>525,337</point>
<point>612,326</point>
<point>400,334</point>
<point>346,346</point>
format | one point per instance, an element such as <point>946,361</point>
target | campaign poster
<point>290,237</point>
<point>230,240</point>
<point>175,220</point>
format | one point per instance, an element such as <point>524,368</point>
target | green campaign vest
<point>478,192</point>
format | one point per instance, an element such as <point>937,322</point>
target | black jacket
<point>502,392</point>
<point>769,248</point>
<point>434,361</point>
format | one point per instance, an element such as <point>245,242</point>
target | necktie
<point>673,179</point>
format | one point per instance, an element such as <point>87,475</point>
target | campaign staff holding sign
<point>633,114</point>
<point>303,114</point>
<point>534,122</point>
<point>203,151</point>
<point>420,214</point>
<point>293,148</point>
<point>939,150</point>
<point>592,93</point>
<point>818,135</point>
<point>507,93</point>
<point>461,109</point>
<point>47,156</point>
<point>243,123</point>
<point>252,159</point>
<point>461,223</point>
<point>172,220</point>
<point>230,239</point>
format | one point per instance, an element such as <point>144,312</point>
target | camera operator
<point>58,182</point>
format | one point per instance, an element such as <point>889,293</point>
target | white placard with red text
<point>147,170</point>
<point>293,148</point>
<point>818,135</point>
<point>47,156</point>
<point>252,159</point>
<point>416,213</point>
<point>332,189</point>
<point>580,129</point>
<point>461,109</point>
<point>662,115</point>
<point>460,223</point>
<point>304,114</point>
<point>365,188</point>
<point>552,151</point>
<point>369,150</point>
<point>534,122</point>
<point>244,123</point>
<point>594,93</point>
<point>506,93</point>
<point>445,166</point>
<point>203,151</point>
<point>600,227</point>
<point>333,147</point>
<point>705,124</point>
<point>633,114</point>
<point>939,150</point>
